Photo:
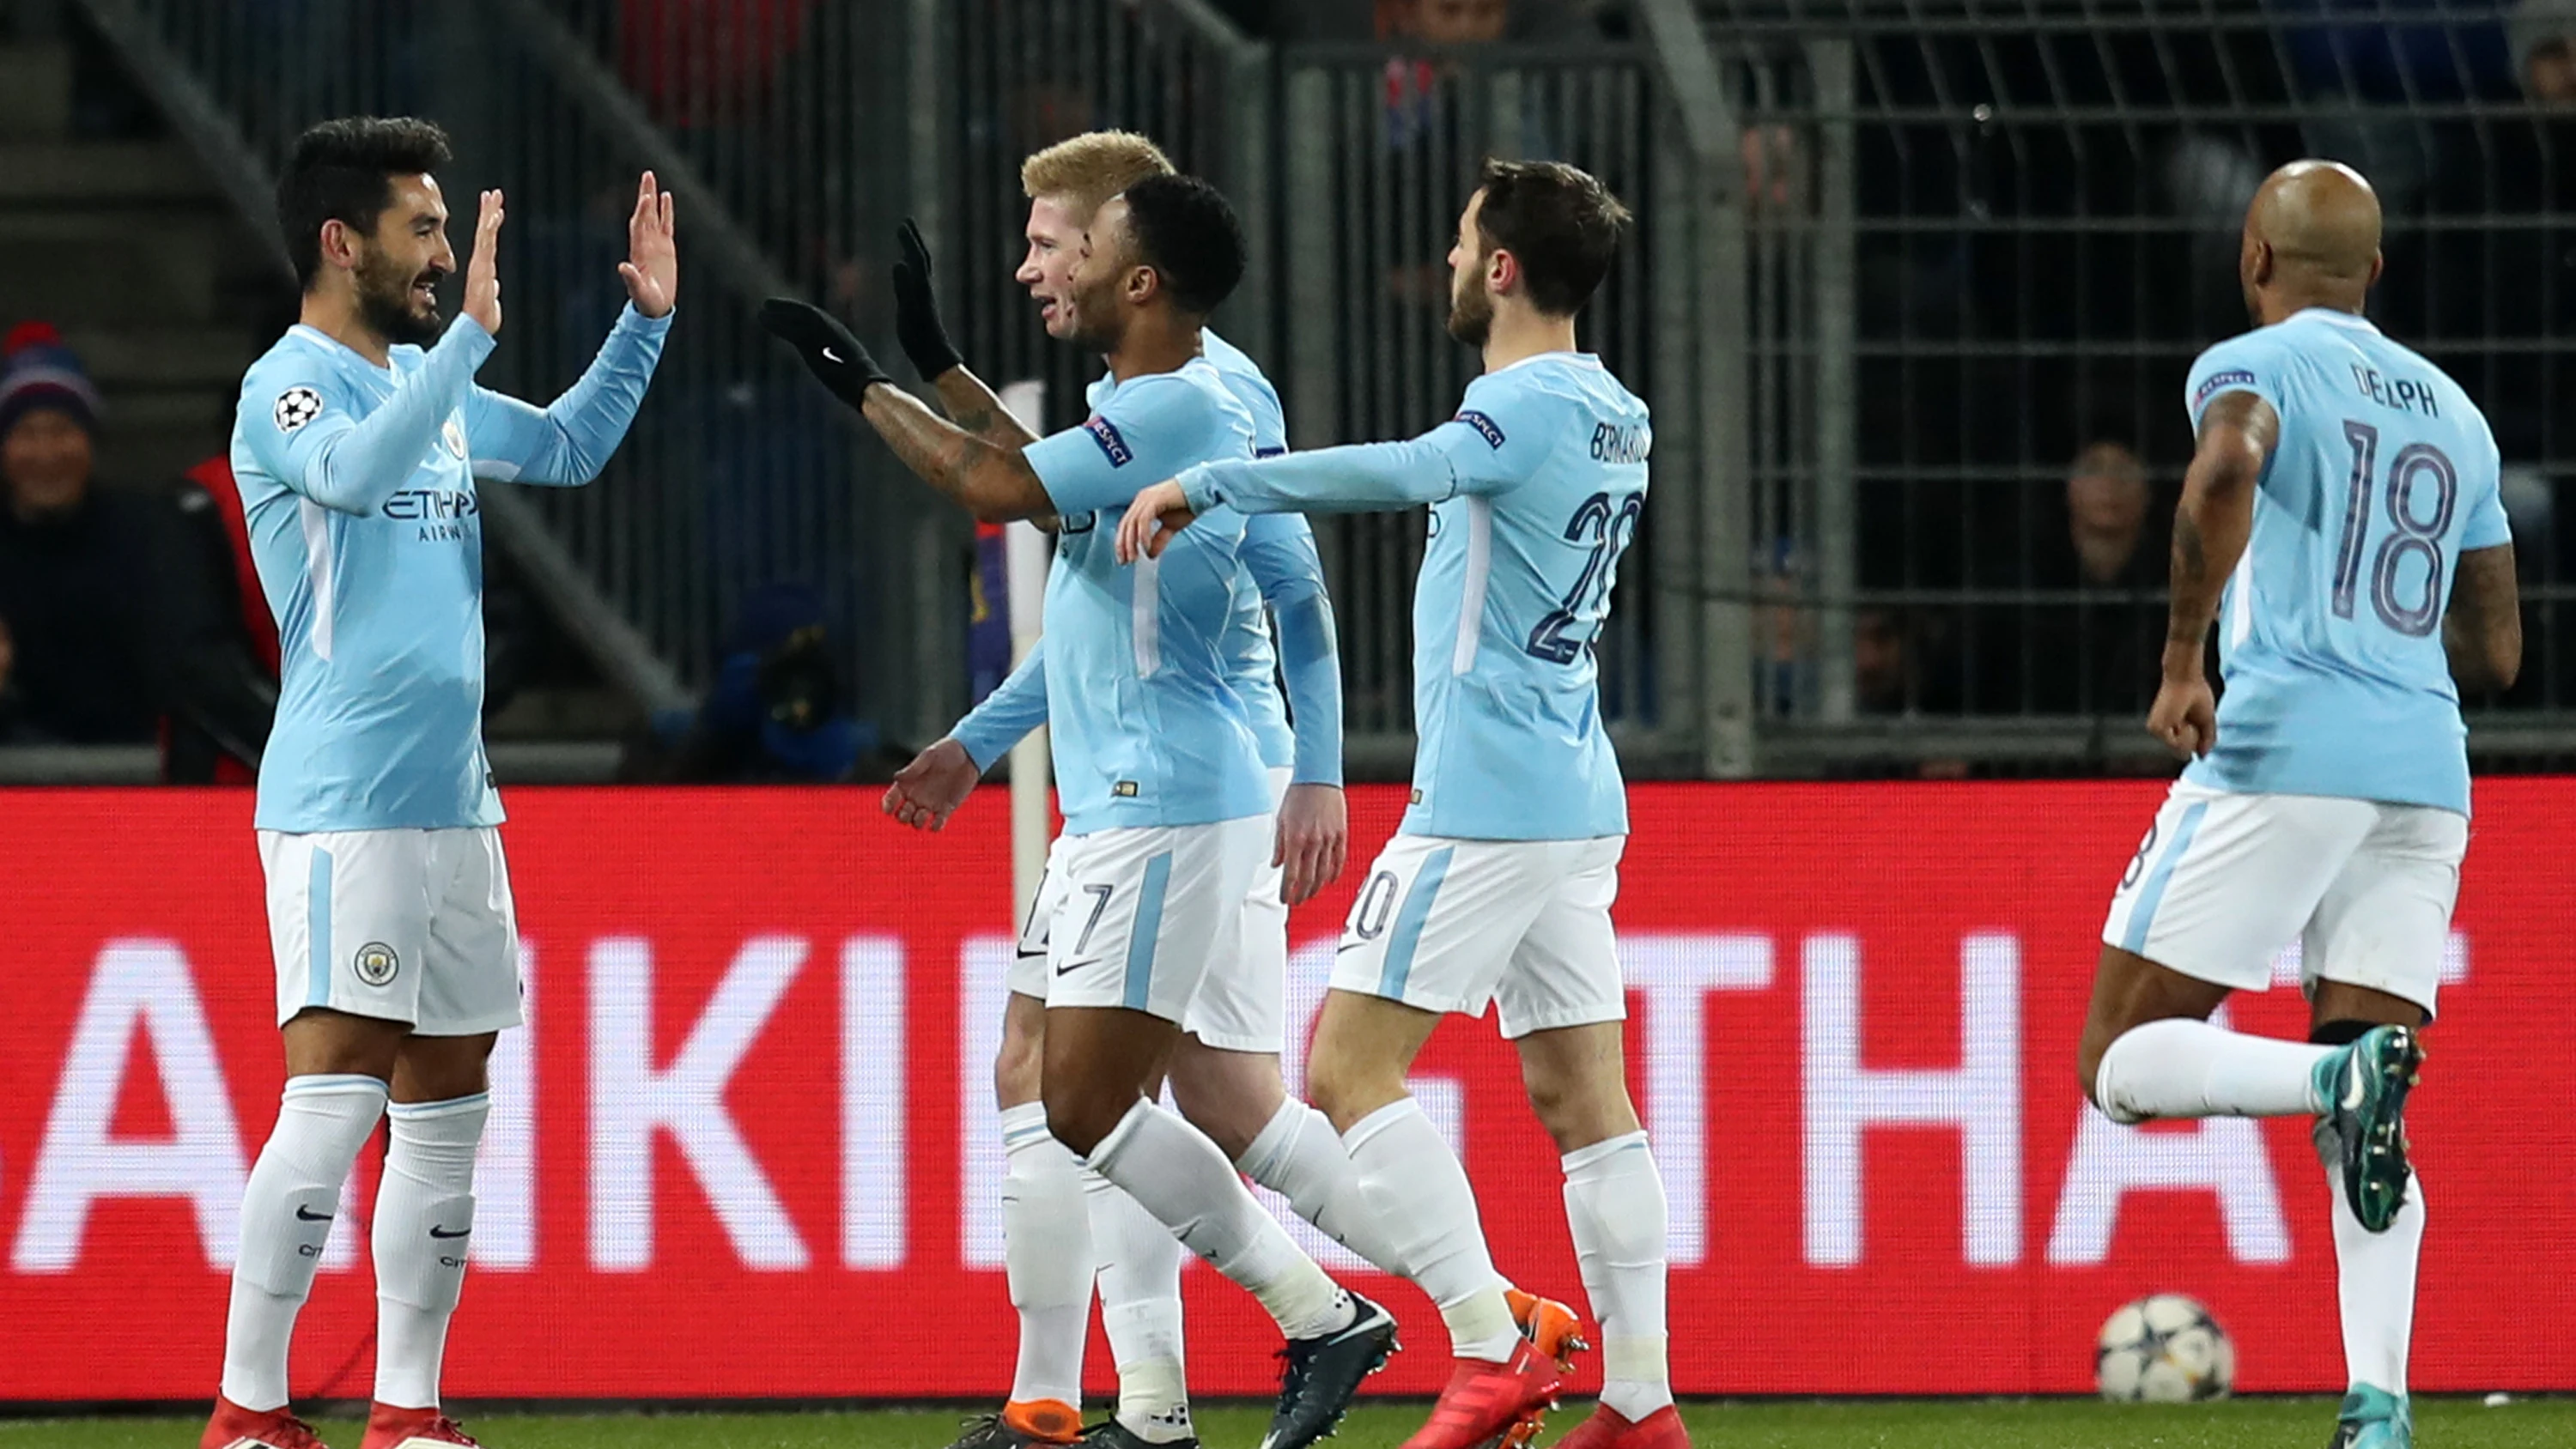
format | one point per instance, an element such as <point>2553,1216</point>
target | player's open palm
<point>483,268</point>
<point>652,266</point>
<point>929,790</point>
<point>1314,840</point>
<point>2185,716</point>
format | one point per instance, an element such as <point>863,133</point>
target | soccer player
<point>1166,803</point>
<point>1225,1072</point>
<point>356,447</point>
<point>2342,490</point>
<point>1498,885</point>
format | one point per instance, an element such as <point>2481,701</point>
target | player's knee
<point>1080,1118</point>
<point>1345,1092</point>
<point>1579,1108</point>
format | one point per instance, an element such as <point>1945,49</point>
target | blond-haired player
<point>1225,1075</point>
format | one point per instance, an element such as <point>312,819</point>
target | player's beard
<point>1471,309</point>
<point>385,302</point>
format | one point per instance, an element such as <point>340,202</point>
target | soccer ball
<point>2164,1350</point>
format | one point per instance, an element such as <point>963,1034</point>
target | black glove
<point>834,357</point>
<point>916,310</point>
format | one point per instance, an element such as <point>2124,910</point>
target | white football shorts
<point>1242,1003</point>
<point>2224,881</point>
<point>1137,917</point>
<point>1449,925</point>
<point>400,925</point>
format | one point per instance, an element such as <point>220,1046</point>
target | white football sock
<point>1416,1187</point>
<point>2184,1068</point>
<point>1046,1255</point>
<point>1140,1309</point>
<point>2375,1284</point>
<point>1299,1156</point>
<point>1614,1206</point>
<point>286,1213</point>
<point>1183,1179</point>
<point>424,1220</point>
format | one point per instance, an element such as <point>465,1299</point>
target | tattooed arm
<point>2482,630</point>
<point>978,409</point>
<point>994,483</point>
<point>2237,435</point>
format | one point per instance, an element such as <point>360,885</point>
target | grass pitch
<point>2268,1423</point>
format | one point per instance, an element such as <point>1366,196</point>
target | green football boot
<point>2374,1419</point>
<point>2363,1130</point>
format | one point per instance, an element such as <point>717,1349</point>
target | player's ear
<point>339,243</point>
<point>2377,263</point>
<point>1502,271</point>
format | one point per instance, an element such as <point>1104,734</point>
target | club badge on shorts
<point>376,963</point>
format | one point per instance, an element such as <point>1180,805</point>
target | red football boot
<point>1555,1330</point>
<point>389,1427</point>
<point>1490,1403</point>
<point>234,1427</point>
<point>1609,1429</point>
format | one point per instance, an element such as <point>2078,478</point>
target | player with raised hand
<point>2342,504</point>
<point>1225,1073</point>
<point>1498,886</point>
<point>356,449</point>
<point>1166,804</point>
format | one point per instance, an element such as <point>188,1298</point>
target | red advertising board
<point>745,1148</point>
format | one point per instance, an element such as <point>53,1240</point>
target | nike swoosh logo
<point>1348,946</point>
<point>306,1214</point>
<point>2354,1088</point>
<point>1076,966</point>
<point>830,356</point>
<point>436,1232</point>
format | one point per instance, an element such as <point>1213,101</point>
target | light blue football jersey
<point>1148,729</point>
<point>358,485</point>
<point>2330,633</point>
<point>1280,571</point>
<point>1535,487</point>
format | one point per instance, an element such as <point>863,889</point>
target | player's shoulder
<point>1543,399</point>
<point>295,381</point>
<point>1244,378</point>
<point>1192,392</point>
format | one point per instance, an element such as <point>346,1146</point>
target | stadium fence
<point>1900,263</point>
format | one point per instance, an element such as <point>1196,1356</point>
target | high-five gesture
<point>482,269</point>
<point>652,265</point>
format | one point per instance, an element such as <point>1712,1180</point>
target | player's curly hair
<point>1187,233</point>
<point>1560,223</point>
<point>1082,173</point>
<point>344,171</point>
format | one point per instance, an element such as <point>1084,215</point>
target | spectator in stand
<point>122,628</point>
<point>2098,655</point>
<point>75,559</point>
<point>2542,34</point>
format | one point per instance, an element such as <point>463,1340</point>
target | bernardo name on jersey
<point>358,482</point>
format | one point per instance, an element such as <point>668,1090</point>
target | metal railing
<point>738,473</point>
<point>1349,164</point>
<point>1989,238</point>
<point>1901,264</point>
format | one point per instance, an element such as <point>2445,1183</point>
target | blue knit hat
<point>38,371</point>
